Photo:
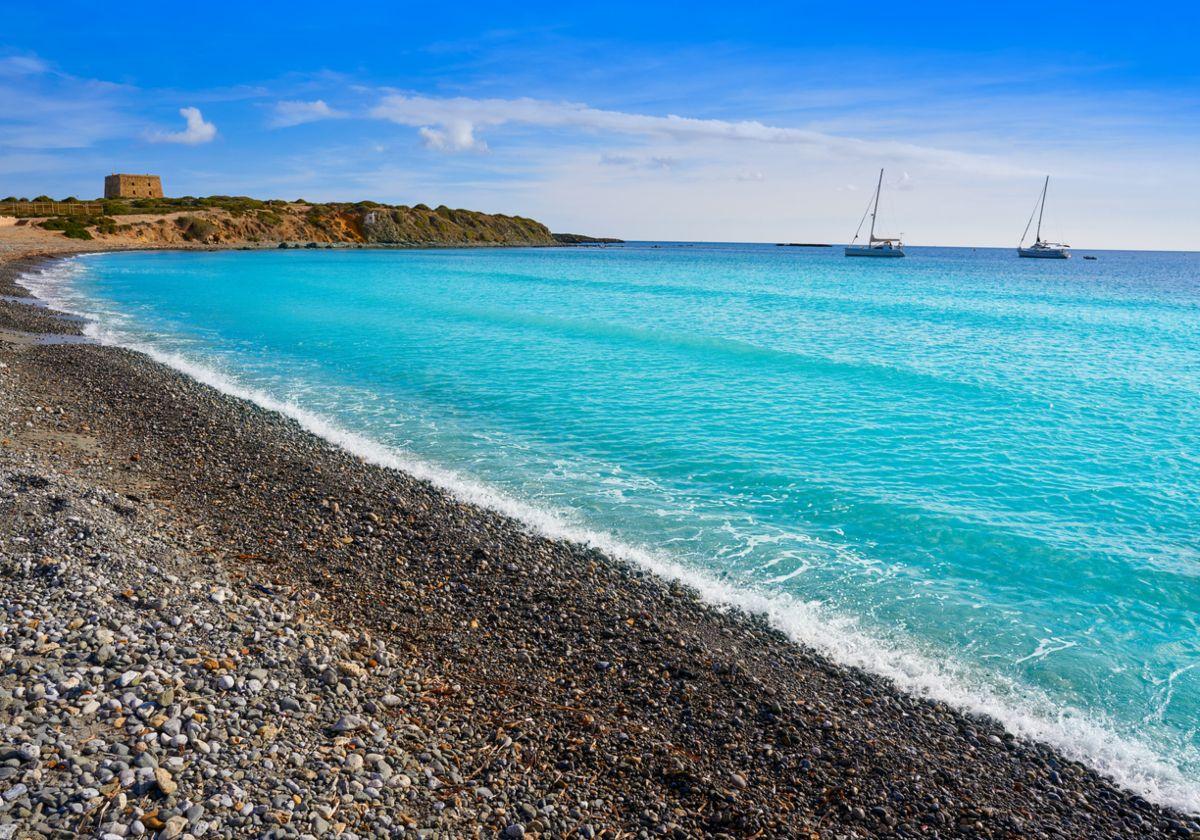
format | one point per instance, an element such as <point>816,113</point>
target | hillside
<point>581,239</point>
<point>227,220</point>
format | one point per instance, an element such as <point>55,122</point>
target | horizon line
<point>775,243</point>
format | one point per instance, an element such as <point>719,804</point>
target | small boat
<point>1041,249</point>
<point>875,246</point>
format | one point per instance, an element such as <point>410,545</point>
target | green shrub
<point>72,228</point>
<point>235,204</point>
<point>196,229</point>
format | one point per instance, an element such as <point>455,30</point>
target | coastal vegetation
<point>196,229</point>
<point>581,239</point>
<point>222,219</point>
<point>72,228</point>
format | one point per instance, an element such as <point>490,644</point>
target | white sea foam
<point>1023,711</point>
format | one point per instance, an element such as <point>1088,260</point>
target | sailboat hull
<point>1041,249</point>
<point>877,246</point>
<point>873,252</point>
<point>1045,253</point>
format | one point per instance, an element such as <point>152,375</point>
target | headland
<point>238,221</point>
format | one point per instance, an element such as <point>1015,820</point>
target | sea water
<point>975,474</point>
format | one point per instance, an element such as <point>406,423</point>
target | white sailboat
<point>1041,249</point>
<point>876,246</point>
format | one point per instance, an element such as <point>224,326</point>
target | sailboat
<point>1041,249</point>
<point>876,246</point>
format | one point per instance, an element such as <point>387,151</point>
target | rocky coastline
<point>219,625</point>
<point>240,221</point>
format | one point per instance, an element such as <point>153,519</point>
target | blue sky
<point>677,121</point>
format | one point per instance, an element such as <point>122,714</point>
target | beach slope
<point>218,622</point>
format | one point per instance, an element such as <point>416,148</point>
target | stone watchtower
<point>132,186</point>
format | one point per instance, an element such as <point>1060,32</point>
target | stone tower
<point>132,186</point>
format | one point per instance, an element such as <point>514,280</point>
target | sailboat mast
<point>1042,209</point>
<point>875,209</point>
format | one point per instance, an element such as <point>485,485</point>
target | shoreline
<point>705,721</point>
<point>1129,763</point>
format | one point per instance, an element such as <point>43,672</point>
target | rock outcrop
<point>420,225</point>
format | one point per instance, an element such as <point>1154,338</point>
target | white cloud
<point>43,109</point>
<point>197,131</point>
<point>453,136</point>
<point>633,162</point>
<point>451,125</point>
<point>22,65</point>
<point>618,160</point>
<point>291,112</point>
<point>36,120</point>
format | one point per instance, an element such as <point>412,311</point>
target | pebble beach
<point>216,624</point>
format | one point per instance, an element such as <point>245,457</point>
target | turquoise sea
<point>975,474</point>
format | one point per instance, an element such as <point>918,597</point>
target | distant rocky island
<point>580,239</point>
<point>238,220</point>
